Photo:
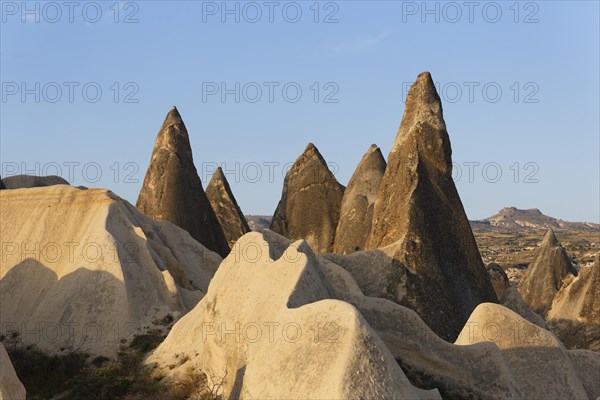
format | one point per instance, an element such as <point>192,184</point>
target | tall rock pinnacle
<point>228,212</point>
<point>310,202</point>
<point>172,189</point>
<point>544,275</point>
<point>418,209</point>
<point>357,204</point>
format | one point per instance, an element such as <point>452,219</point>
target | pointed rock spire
<point>418,209</point>
<point>357,204</point>
<point>550,239</point>
<point>310,202</point>
<point>544,276</point>
<point>226,208</point>
<point>172,189</point>
<point>575,313</point>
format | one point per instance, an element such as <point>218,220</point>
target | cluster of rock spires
<point>402,308</point>
<point>172,189</point>
<point>364,347</point>
<point>568,299</point>
<point>410,208</point>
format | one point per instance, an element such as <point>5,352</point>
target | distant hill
<point>509,218</point>
<point>513,218</point>
<point>258,222</point>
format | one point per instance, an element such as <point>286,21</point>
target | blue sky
<point>519,84</point>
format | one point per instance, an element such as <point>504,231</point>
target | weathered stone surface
<point>172,190</point>
<point>478,369</point>
<point>11,387</point>
<point>356,212</point>
<point>226,208</point>
<point>587,367</point>
<point>499,280</point>
<point>544,276</point>
<point>91,266</point>
<point>293,340</point>
<point>418,215</point>
<point>514,301</point>
<point>310,202</point>
<point>31,181</point>
<point>459,372</point>
<point>376,272</point>
<point>575,313</point>
<point>539,363</point>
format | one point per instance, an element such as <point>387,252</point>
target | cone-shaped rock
<point>575,313</point>
<point>357,204</point>
<point>419,210</point>
<point>172,189</point>
<point>228,212</point>
<point>544,276</point>
<point>310,202</point>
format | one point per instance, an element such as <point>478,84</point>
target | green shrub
<point>73,376</point>
<point>45,376</point>
<point>148,341</point>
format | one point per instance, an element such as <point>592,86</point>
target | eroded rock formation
<point>575,313</point>
<point>356,211</point>
<point>544,276</point>
<point>316,346</point>
<point>226,208</point>
<point>310,202</point>
<point>424,254</point>
<point>90,265</point>
<point>172,190</point>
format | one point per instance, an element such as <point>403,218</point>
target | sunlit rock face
<point>172,190</point>
<point>356,211</point>
<point>310,203</point>
<point>85,270</point>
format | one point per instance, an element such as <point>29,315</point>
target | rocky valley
<point>381,289</point>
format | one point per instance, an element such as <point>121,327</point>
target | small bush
<point>73,376</point>
<point>197,385</point>
<point>165,321</point>
<point>148,341</point>
<point>45,376</point>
